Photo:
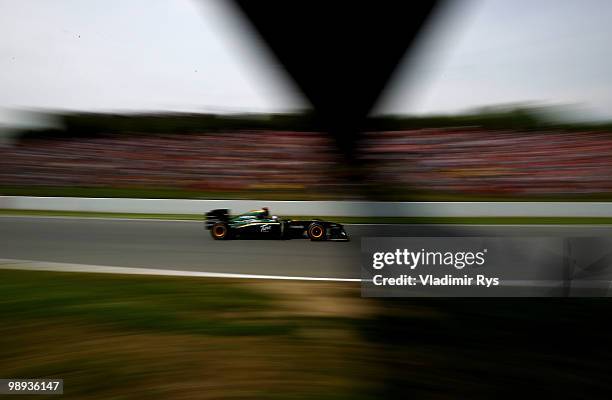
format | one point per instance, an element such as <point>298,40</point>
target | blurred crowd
<point>468,161</point>
<point>227,161</point>
<point>473,161</point>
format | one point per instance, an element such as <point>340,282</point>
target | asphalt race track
<point>188,246</point>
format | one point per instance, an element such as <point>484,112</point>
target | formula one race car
<point>259,224</point>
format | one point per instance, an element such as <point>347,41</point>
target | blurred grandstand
<point>513,155</point>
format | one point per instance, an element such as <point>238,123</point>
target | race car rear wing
<point>214,216</point>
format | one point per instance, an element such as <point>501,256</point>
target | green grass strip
<point>344,220</point>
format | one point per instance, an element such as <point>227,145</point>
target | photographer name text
<point>419,259</point>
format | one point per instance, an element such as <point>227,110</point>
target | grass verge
<point>343,220</point>
<point>140,337</point>
<point>383,193</point>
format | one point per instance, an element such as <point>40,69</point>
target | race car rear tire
<point>219,231</point>
<point>317,232</point>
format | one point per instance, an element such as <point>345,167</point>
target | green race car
<point>259,224</point>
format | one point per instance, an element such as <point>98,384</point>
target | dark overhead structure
<point>340,54</point>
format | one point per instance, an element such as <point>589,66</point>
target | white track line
<point>104,269</point>
<point>30,265</point>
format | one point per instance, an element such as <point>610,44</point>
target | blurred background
<point>500,154</point>
<point>497,101</point>
<point>485,100</point>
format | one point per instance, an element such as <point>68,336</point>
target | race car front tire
<point>317,232</point>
